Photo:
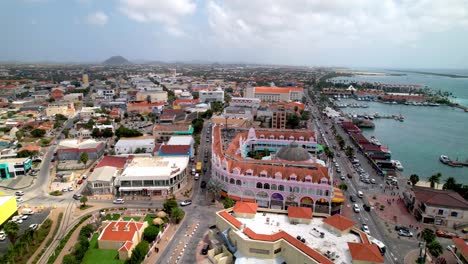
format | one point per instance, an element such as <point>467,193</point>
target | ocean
<point>427,132</point>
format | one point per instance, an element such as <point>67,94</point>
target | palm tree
<point>435,179</point>
<point>414,178</point>
<point>349,151</point>
<point>450,183</point>
<point>11,230</point>
<point>214,187</point>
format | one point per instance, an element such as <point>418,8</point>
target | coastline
<point>433,73</point>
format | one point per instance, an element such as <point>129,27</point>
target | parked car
<point>356,208</point>
<point>441,233</point>
<point>186,202</point>
<point>2,236</point>
<point>65,190</point>
<point>405,233</point>
<point>34,226</point>
<point>70,188</point>
<point>80,181</point>
<point>400,227</point>
<point>352,198</point>
<point>205,249</point>
<point>19,193</point>
<point>342,177</point>
<point>365,228</point>
<point>366,207</point>
<point>23,217</point>
<point>203,184</point>
<point>19,199</point>
<point>77,196</point>
<point>372,181</point>
<point>465,230</point>
<point>119,201</point>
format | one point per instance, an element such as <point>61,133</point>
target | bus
<point>379,244</point>
<point>198,168</point>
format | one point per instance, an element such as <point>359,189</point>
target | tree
<point>139,253</point>
<point>169,204</point>
<point>84,158</point>
<point>26,153</point>
<point>414,178</point>
<point>293,121</point>
<point>177,214</point>
<point>66,132</point>
<point>349,151</point>
<point>228,203</point>
<point>214,187</point>
<point>38,133</point>
<point>450,183</point>
<point>344,186</point>
<point>434,179</point>
<point>435,248</point>
<point>11,230</point>
<point>83,200</point>
<point>19,135</point>
<point>150,234</point>
<point>69,259</point>
<point>428,235</point>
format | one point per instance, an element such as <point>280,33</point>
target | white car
<point>186,202</point>
<point>19,199</point>
<point>2,236</point>
<point>65,190</point>
<point>24,217</point>
<point>19,221</point>
<point>119,201</point>
<point>34,226</point>
<point>365,228</point>
<point>19,193</point>
<point>70,188</point>
<point>356,208</point>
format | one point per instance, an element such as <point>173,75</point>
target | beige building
<point>275,94</point>
<point>153,96</point>
<point>122,236</point>
<point>63,108</point>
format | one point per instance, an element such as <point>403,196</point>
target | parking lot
<point>36,218</point>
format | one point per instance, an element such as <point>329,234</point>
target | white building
<point>160,176</point>
<point>101,180</point>
<point>130,145</point>
<point>275,94</point>
<point>88,112</point>
<point>211,96</point>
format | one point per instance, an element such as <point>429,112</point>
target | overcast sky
<point>364,33</point>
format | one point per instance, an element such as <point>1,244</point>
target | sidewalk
<point>68,248</point>
<point>18,183</point>
<point>165,240</point>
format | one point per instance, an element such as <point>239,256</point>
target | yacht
<point>397,164</point>
<point>375,141</point>
<point>444,159</point>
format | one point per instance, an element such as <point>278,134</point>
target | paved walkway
<point>18,183</point>
<point>167,237</point>
<point>53,215</point>
<point>68,248</point>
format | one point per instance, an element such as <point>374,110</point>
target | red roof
<point>186,101</point>
<point>365,252</point>
<point>299,212</point>
<point>30,148</point>
<point>145,104</point>
<point>117,162</point>
<point>244,207</point>
<point>175,149</point>
<point>339,222</point>
<point>461,244</point>
<point>126,246</point>
<point>120,233</point>
<point>231,219</point>
<point>268,89</point>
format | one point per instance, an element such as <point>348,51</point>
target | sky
<point>349,33</point>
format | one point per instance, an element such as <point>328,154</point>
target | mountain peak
<point>116,60</point>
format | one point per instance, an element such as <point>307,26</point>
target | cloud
<point>294,23</point>
<point>168,13</point>
<point>97,18</point>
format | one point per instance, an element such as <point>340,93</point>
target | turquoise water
<point>457,86</point>
<point>426,133</point>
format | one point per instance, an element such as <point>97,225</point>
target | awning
<point>338,196</point>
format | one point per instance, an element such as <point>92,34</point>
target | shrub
<point>150,234</point>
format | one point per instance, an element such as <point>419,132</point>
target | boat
<point>375,141</point>
<point>397,164</point>
<point>455,164</point>
<point>444,159</point>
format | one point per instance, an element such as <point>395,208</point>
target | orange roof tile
<point>245,207</point>
<point>120,234</point>
<point>339,222</point>
<point>365,252</point>
<point>30,148</point>
<point>126,246</point>
<point>461,244</point>
<point>268,89</point>
<point>299,212</point>
<point>231,219</point>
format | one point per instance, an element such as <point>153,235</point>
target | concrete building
<point>165,132</point>
<point>13,167</point>
<point>160,176</point>
<point>130,145</point>
<point>211,96</point>
<point>122,236</point>
<point>176,142</point>
<point>279,118</point>
<point>88,112</point>
<point>244,101</point>
<point>439,207</point>
<point>152,96</point>
<point>292,236</point>
<point>275,94</point>
<point>63,108</point>
<point>145,107</point>
<point>106,93</point>
<point>461,250</point>
<point>73,97</point>
<point>101,180</point>
<point>71,149</point>
<point>85,79</point>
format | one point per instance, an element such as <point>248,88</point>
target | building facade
<point>10,168</point>
<point>211,96</point>
<point>137,144</point>
<point>275,94</point>
<point>278,119</point>
<point>63,108</point>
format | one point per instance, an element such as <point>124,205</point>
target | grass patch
<point>50,240</point>
<point>112,216</point>
<point>149,218</point>
<point>84,207</point>
<point>101,256</point>
<point>128,218</point>
<point>56,193</point>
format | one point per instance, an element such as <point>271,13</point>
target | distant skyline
<point>360,33</point>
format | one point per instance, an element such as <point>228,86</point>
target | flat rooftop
<point>271,223</point>
<point>163,167</point>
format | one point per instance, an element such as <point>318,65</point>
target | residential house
<point>145,107</point>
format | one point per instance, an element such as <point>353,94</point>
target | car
<point>366,207</point>
<point>400,227</point>
<point>337,165</point>
<point>352,198</point>
<point>338,154</point>
<point>77,196</point>
<point>186,202</point>
<point>203,184</point>
<point>19,199</point>
<point>465,230</point>
<point>338,170</point>
<point>451,248</point>
<point>33,226</point>
<point>342,177</point>
<point>65,190</point>
<point>365,228</point>
<point>405,233</point>
<point>18,221</point>
<point>70,188</point>
<point>372,181</point>
<point>205,248</point>
<point>85,177</point>
<point>356,208</point>
<point>2,236</point>
<point>23,217</point>
<point>441,233</point>
<point>19,193</point>
<point>80,181</point>
<point>118,201</point>
<point>350,176</point>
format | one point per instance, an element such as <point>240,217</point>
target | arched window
<point>293,177</point>
<point>274,187</point>
<point>259,185</point>
<point>291,138</point>
<point>319,192</point>
<point>281,137</point>
<point>266,186</point>
<point>278,175</point>
<point>238,182</point>
<point>281,188</point>
<point>304,190</point>
<point>301,138</point>
<point>324,181</point>
<point>327,193</point>
<point>296,190</point>
<point>236,170</point>
<point>231,181</point>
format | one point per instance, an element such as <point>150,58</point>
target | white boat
<point>397,164</point>
<point>375,141</point>
<point>444,159</point>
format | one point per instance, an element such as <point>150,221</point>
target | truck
<point>198,167</point>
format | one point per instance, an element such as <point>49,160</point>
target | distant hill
<point>116,60</point>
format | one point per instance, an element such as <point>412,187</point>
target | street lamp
<point>422,244</point>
